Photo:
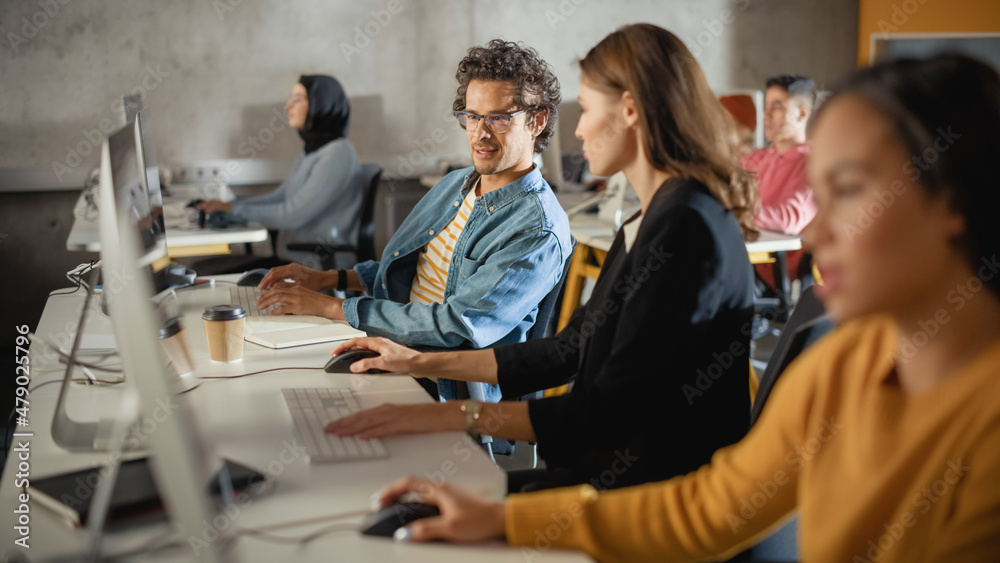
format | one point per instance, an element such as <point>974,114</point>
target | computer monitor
<point>147,160</point>
<point>179,460</point>
<point>129,191</point>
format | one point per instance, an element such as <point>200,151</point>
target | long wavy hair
<point>685,129</point>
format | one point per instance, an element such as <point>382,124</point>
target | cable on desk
<point>158,543</point>
<point>64,356</point>
<point>255,373</point>
<point>302,540</point>
<point>76,276</point>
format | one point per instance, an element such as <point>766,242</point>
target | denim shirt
<point>510,254</point>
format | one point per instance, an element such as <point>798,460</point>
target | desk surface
<point>246,420</point>
<point>591,231</point>
<point>84,236</point>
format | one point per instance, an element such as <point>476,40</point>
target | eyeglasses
<point>297,99</point>
<point>497,122</point>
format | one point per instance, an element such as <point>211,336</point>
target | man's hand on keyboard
<point>297,300</point>
<point>308,278</point>
<point>389,420</point>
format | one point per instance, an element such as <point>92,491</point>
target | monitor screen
<point>132,203</point>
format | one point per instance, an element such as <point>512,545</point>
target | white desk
<point>591,231</point>
<point>594,238</point>
<point>246,420</point>
<point>182,234</point>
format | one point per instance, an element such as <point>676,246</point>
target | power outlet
<point>195,174</point>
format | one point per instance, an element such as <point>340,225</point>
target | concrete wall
<point>214,70</point>
<point>213,75</point>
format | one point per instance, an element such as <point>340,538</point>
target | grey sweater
<point>319,202</point>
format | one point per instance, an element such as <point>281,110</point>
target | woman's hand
<point>297,300</point>
<point>393,357</point>
<point>213,205</point>
<point>308,278</point>
<point>465,517</point>
<point>390,420</point>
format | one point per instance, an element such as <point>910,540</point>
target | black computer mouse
<point>253,277</point>
<point>385,522</point>
<point>341,363</point>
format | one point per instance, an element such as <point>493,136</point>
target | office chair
<point>547,318</point>
<point>364,249</point>
<point>807,324</point>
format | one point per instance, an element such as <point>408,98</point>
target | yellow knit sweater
<point>877,474</point>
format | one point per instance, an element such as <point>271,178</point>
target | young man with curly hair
<point>470,264</point>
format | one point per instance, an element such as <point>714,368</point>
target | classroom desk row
<point>245,419</point>
<point>184,237</point>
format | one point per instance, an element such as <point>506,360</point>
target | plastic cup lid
<point>170,328</point>
<point>223,313</point>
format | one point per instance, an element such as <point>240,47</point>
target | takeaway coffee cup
<point>174,341</point>
<point>224,330</point>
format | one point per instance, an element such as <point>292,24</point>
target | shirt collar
<point>530,182</point>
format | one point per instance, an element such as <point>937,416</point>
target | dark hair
<point>687,131</point>
<point>797,86</point>
<point>536,88</point>
<point>955,98</point>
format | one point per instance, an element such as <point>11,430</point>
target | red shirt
<point>787,203</point>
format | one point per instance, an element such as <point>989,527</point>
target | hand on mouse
<point>213,205</point>
<point>298,300</point>
<point>394,358</point>
<point>389,420</point>
<point>466,517</point>
<point>308,278</point>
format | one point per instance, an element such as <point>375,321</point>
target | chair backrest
<point>549,304</point>
<point>371,175</point>
<point>806,325</point>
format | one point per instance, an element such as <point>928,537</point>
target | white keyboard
<point>313,409</point>
<point>245,296</point>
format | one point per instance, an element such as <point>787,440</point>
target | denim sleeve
<point>486,306</point>
<point>299,204</point>
<point>366,273</point>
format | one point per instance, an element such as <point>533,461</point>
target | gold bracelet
<point>471,410</point>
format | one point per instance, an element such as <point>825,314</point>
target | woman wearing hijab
<point>320,201</point>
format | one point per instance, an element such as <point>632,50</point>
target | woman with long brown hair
<point>660,351</point>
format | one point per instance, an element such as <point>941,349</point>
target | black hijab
<point>329,111</point>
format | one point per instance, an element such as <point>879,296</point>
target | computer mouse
<point>253,277</point>
<point>385,522</point>
<point>341,363</point>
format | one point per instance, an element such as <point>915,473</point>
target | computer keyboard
<point>313,409</point>
<point>245,296</point>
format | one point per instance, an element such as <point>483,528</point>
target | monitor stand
<point>70,434</point>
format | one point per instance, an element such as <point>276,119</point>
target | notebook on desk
<point>286,331</point>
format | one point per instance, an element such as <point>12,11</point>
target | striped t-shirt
<point>435,259</point>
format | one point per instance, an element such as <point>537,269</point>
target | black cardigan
<point>659,353</point>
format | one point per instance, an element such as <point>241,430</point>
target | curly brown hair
<point>536,88</point>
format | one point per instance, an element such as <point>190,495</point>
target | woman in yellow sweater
<point>885,436</point>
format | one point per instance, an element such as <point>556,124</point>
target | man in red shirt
<point>787,203</point>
